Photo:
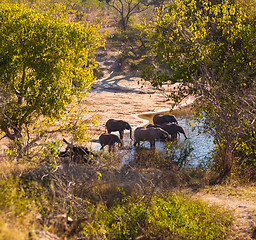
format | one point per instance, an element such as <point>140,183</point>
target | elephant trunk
<point>183,132</point>
<point>128,127</point>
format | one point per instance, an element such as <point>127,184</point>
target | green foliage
<point>92,5</point>
<point>175,158</point>
<point>20,198</point>
<point>208,48</point>
<point>171,216</point>
<point>203,34</point>
<point>12,197</point>
<point>52,148</point>
<point>132,44</point>
<point>44,62</point>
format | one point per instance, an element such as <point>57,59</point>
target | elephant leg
<point>152,143</point>
<point>121,134</point>
<point>174,135</point>
<point>113,147</point>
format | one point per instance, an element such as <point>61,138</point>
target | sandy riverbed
<point>121,97</point>
<point>124,97</point>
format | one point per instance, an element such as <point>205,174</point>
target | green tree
<point>44,62</point>
<point>208,48</point>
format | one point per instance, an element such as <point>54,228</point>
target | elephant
<point>149,134</point>
<point>113,125</point>
<point>173,129</point>
<point>110,140</point>
<point>160,119</point>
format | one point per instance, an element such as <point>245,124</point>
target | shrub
<point>173,215</point>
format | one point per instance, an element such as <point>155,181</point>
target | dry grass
<point>9,167</point>
<point>245,192</point>
<point>74,188</point>
<point>12,231</point>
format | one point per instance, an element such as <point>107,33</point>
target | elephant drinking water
<point>149,134</point>
<point>172,128</point>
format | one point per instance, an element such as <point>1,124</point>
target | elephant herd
<point>165,128</point>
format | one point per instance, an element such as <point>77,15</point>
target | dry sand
<point>125,97</point>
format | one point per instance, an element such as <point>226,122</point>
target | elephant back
<point>160,119</point>
<point>140,133</point>
<point>108,139</point>
<point>153,126</point>
<point>157,119</point>
<point>116,125</point>
<point>173,129</point>
<point>144,134</point>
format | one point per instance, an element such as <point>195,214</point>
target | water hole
<point>200,142</point>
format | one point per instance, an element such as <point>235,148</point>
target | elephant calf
<point>149,134</point>
<point>110,140</point>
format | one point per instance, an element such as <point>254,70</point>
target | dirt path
<point>244,227</point>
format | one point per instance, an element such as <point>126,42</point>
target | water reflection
<point>200,142</point>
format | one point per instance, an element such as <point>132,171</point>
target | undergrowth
<point>159,217</point>
<point>105,203</point>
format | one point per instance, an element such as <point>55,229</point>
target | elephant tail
<point>130,133</point>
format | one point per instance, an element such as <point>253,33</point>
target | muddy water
<point>201,143</point>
